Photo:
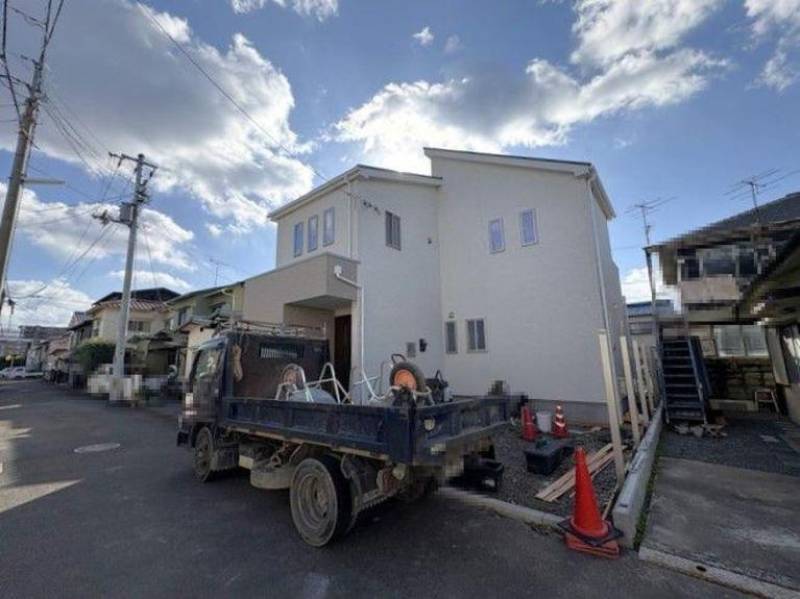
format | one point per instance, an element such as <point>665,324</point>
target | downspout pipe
<point>590,176</point>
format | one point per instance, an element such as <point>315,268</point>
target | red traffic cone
<point>529,431</point>
<point>586,531</point>
<point>560,430</point>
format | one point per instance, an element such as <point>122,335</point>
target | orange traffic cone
<point>529,431</point>
<point>586,531</point>
<point>560,430</point>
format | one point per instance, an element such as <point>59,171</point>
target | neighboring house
<point>56,357</point>
<point>710,268</point>
<point>196,314</point>
<point>640,319</point>
<point>773,298</point>
<point>39,337</point>
<point>148,314</point>
<point>80,329</point>
<point>493,268</point>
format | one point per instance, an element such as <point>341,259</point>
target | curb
<point>630,502</point>
<point>512,511</point>
<point>717,575</point>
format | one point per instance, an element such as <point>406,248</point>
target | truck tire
<point>407,376</point>
<point>320,500</point>
<point>203,455</point>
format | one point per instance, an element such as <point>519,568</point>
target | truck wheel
<point>320,500</point>
<point>407,376</point>
<point>203,452</point>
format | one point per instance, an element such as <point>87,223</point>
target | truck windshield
<point>205,366</point>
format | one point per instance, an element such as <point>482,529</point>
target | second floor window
<point>328,227</point>
<point>497,240</point>
<point>138,326</point>
<point>392,230</point>
<point>298,239</point>
<point>450,340</point>
<point>313,233</point>
<point>476,335</point>
<point>527,228</point>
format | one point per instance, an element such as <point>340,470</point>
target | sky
<point>671,99</point>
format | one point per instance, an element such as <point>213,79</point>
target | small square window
<point>497,241</point>
<point>392,230</point>
<point>328,226</point>
<point>451,341</point>
<point>298,239</point>
<point>527,228</point>
<point>313,232</point>
<point>476,335</point>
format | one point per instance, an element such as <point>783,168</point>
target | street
<point>131,521</point>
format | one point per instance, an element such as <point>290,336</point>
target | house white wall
<point>541,303</point>
<point>401,287</point>
<point>337,199</point>
<point>109,321</point>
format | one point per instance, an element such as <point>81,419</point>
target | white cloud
<point>50,305</point>
<point>321,9</point>
<point>453,44</point>
<point>148,278</point>
<point>55,226</point>
<point>607,30</point>
<point>781,18</point>
<point>490,112</point>
<point>424,36</point>
<point>110,60</point>
<point>636,287</point>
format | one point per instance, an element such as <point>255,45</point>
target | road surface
<point>131,521</point>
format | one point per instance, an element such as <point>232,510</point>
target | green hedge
<point>90,354</point>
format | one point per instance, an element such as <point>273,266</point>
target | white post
<point>648,375</point>
<point>611,404</point>
<point>640,382</point>
<point>633,409</point>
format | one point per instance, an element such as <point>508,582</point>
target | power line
<point>224,92</point>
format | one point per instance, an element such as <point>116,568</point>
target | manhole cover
<point>97,447</point>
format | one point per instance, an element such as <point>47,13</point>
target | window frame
<point>298,235</point>
<point>389,225</point>
<point>326,241</point>
<point>476,349</point>
<point>315,219</point>
<point>448,326</point>
<point>534,228</point>
<point>502,247</point>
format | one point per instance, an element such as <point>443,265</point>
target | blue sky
<point>668,98</point>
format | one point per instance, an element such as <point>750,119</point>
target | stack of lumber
<point>596,462</point>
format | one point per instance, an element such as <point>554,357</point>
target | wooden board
<point>594,462</point>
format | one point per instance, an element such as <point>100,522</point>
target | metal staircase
<point>685,387</point>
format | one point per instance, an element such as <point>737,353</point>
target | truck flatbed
<point>408,435</point>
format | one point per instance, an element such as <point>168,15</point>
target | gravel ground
<point>755,443</point>
<point>520,486</point>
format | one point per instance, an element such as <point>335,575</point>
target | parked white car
<point>15,372</point>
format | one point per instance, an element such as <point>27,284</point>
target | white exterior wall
<point>402,290</point>
<point>109,321</point>
<point>340,201</point>
<point>541,303</point>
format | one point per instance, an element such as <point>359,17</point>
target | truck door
<point>207,372</point>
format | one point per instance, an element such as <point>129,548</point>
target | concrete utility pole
<point>18,172</point>
<point>27,127</point>
<point>128,215</point>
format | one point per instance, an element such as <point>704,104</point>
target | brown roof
<point>137,305</point>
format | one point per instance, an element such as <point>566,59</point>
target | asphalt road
<point>133,522</point>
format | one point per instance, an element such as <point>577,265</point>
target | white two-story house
<point>491,268</point>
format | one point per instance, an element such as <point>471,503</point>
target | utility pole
<point>645,208</point>
<point>128,215</point>
<point>27,127</point>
